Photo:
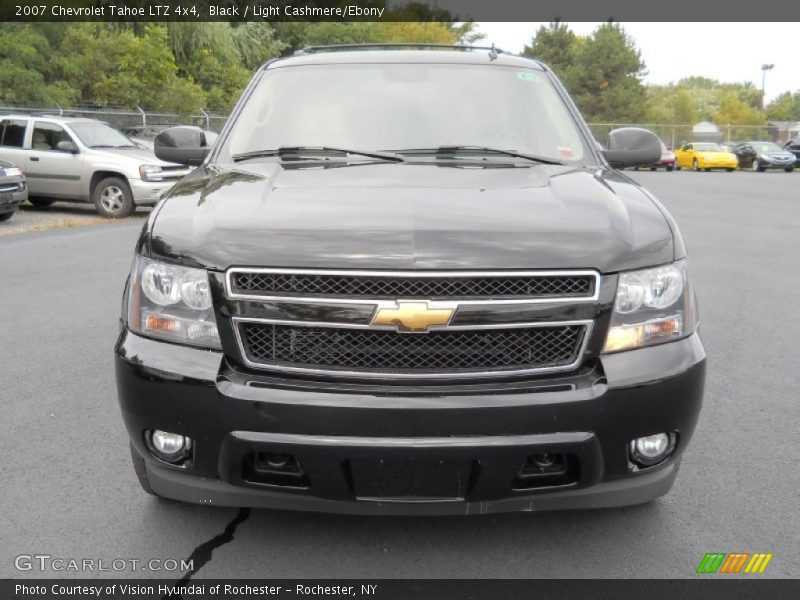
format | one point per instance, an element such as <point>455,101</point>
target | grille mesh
<point>476,350</point>
<point>440,287</point>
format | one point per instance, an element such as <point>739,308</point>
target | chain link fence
<point>123,118</point>
<point>674,136</point>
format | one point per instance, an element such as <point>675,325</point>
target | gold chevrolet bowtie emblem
<point>412,317</point>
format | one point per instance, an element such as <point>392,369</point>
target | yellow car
<point>704,156</point>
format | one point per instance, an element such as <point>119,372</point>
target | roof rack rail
<point>398,46</point>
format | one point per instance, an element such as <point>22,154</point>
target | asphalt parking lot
<point>69,491</point>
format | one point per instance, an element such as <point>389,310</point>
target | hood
<point>140,156</point>
<point>780,155</point>
<point>409,216</point>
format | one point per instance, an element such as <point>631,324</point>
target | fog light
<point>652,449</point>
<point>170,447</point>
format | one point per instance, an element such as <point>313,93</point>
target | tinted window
<point>12,133</point>
<point>405,106</point>
<point>47,135</point>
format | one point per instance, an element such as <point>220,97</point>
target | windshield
<point>767,147</point>
<point>96,134</point>
<point>393,107</point>
<point>708,148</point>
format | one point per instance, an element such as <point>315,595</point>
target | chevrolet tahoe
<point>408,281</point>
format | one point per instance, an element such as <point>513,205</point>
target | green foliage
<point>785,107</point>
<point>296,35</point>
<point>603,72</point>
<point>607,76</point>
<point>555,45</point>
<point>25,71</point>
<point>180,66</point>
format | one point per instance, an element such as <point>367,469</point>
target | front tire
<point>672,168</point>
<point>729,170</point>
<point>756,166</point>
<point>789,169</point>
<point>113,198</point>
<point>6,216</point>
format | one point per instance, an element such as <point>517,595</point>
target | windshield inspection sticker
<point>565,152</point>
<point>527,76</point>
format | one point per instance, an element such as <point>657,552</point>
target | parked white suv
<point>84,160</point>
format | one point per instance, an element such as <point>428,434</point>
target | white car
<point>84,160</point>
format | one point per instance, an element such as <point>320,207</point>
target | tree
<point>670,105</point>
<point>785,107</point>
<point>26,72</point>
<point>606,80</point>
<point>297,35</point>
<point>145,74</point>
<point>554,45</point>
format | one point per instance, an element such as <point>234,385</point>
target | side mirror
<point>185,145</point>
<point>65,146</point>
<point>632,147</point>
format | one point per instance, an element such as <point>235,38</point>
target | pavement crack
<point>201,555</point>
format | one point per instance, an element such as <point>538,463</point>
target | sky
<point>672,51</point>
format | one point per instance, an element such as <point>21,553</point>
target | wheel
<point>729,170</point>
<point>113,198</point>
<point>652,168</point>
<point>37,201</point>
<point>672,167</point>
<point>695,166</point>
<point>756,166</point>
<point>677,167</point>
<point>707,170</point>
<point>635,168</point>
<point>6,216</point>
<point>140,469</point>
<point>789,169</point>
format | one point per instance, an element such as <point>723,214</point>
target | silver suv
<point>84,160</point>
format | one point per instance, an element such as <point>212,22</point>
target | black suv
<point>407,281</point>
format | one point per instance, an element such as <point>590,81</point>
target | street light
<point>764,69</point>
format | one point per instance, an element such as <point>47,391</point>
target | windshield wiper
<point>453,150</point>
<point>284,151</point>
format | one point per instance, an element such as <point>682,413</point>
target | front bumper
<point>345,435</point>
<point>11,200</point>
<point>718,164</point>
<point>149,192</point>
<point>778,164</point>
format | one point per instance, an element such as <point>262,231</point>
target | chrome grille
<point>375,352</point>
<point>432,286</point>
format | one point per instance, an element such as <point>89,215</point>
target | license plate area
<point>409,479</point>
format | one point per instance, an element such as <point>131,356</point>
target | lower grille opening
<point>374,351</point>
<point>269,468</point>
<point>547,470</point>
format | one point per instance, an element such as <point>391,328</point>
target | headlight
<point>172,303</point>
<point>151,173</point>
<point>652,306</point>
<point>12,172</point>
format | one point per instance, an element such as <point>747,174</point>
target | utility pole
<point>764,69</point>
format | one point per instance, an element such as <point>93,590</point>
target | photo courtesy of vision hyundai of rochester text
<point>407,280</point>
